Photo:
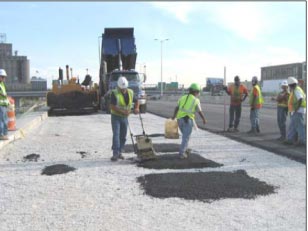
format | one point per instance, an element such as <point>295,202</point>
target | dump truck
<point>70,97</point>
<point>118,58</point>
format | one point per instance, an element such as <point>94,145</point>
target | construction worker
<point>255,102</point>
<point>4,102</point>
<point>185,113</point>
<point>121,103</point>
<point>238,93</point>
<point>297,110</point>
<point>282,109</point>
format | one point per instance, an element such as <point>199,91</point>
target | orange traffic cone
<point>11,126</point>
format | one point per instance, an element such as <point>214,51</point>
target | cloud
<point>180,10</point>
<point>248,20</point>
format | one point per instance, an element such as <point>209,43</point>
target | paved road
<point>215,116</point>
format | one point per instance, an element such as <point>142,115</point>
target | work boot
<point>113,158</point>
<point>252,131</point>
<point>258,129</point>
<point>183,156</point>
<point>287,142</point>
<point>121,157</point>
<point>281,138</point>
<point>230,130</point>
<point>4,138</point>
<point>236,130</point>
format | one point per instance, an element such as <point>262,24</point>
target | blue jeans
<point>3,121</point>
<point>186,129</point>
<point>234,110</point>
<point>254,118</point>
<point>282,113</point>
<point>119,130</point>
<point>297,128</point>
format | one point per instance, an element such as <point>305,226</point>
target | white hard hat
<point>284,83</point>
<point>3,73</point>
<point>292,80</point>
<point>122,82</point>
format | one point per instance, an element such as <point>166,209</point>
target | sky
<point>203,37</point>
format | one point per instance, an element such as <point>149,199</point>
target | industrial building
<point>17,67</point>
<point>272,76</point>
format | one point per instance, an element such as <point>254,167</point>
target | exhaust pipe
<point>120,51</point>
<point>67,73</point>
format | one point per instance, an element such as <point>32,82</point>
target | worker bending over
<point>185,114</point>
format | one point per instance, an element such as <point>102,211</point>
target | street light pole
<point>161,63</point>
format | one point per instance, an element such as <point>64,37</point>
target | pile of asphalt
<point>158,147</point>
<point>31,157</point>
<point>205,186</point>
<point>57,169</point>
<point>172,161</point>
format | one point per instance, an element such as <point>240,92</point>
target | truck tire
<point>143,108</point>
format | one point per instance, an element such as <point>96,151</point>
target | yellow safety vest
<point>293,101</point>
<point>187,106</point>
<point>259,99</point>
<point>121,101</point>
<point>3,99</point>
<point>283,103</point>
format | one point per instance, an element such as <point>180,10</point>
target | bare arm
<point>203,117</point>
<point>175,112</point>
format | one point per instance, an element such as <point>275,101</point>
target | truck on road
<point>118,58</point>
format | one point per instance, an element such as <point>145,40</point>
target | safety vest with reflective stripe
<point>293,101</point>
<point>259,98</point>
<point>3,99</point>
<point>121,101</point>
<point>284,102</point>
<point>187,106</point>
<point>237,94</point>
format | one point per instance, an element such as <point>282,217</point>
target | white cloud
<point>180,10</point>
<point>248,20</point>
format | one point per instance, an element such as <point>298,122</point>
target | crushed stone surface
<point>105,195</point>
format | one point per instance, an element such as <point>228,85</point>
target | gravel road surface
<point>103,195</point>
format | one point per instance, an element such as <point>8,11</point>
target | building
<point>272,76</point>
<point>38,84</point>
<point>16,67</point>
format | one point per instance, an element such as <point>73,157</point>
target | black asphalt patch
<point>160,147</point>
<point>82,153</point>
<point>205,186</point>
<point>57,169</point>
<point>173,161</point>
<point>31,157</point>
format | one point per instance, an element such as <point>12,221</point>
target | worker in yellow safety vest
<point>282,109</point>
<point>255,102</point>
<point>4,102</point>
<point>185,113</point>
<point>297,110</point>
<point>122,99</point>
